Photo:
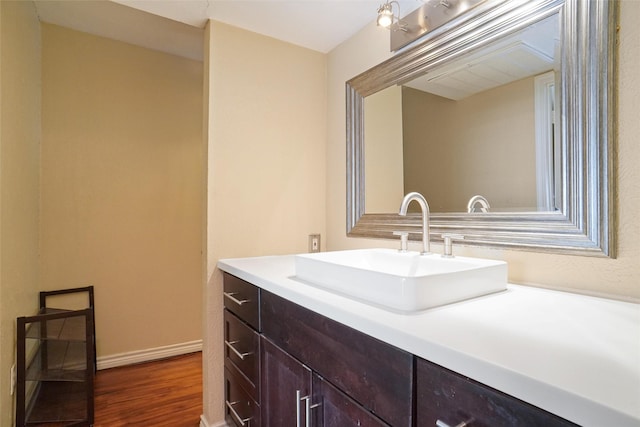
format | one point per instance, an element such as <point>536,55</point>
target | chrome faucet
<point>424,206</point>
<point>478,199</point>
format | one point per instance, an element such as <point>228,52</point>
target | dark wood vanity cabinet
<point>373,373</point>
<point>445,398</point>
<point>286,365</point>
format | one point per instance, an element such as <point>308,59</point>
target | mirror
<point>429,120</point>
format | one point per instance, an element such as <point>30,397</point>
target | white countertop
<point>573,355</point>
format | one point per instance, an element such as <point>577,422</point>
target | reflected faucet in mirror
<point>478,200</point>
<point>424,207</point>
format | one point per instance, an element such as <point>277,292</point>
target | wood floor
<point>161,393</point>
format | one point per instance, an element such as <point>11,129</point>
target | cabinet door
<point>448,398</point>
<point>285,384</point>
<point>336,409</point>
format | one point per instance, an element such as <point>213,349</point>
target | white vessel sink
<point>402,281</point>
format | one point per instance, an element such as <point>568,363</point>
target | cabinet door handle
<point>440,423</point>
<point>298,398</point>
<point>240,355</point>
<point>230,295</point>
<point>307,406</point>
<point>237,416</point>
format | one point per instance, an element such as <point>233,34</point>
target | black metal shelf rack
<point>56,364</point>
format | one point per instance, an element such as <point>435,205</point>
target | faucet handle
<point>404,239</point>
<point>448,245</point>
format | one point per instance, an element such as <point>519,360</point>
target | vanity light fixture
<point>429,16</point>
<point>386,18</point>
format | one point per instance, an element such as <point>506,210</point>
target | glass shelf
<point>68,329</point>
<point>58,402</point>
<point>59,361</point>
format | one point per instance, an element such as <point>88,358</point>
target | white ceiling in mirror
<point>526,53</point>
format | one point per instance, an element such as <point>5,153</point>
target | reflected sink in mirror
<point>401,281</point>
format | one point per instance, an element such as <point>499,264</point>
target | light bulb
<point>385,15</point>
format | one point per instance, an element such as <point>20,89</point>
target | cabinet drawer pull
<point>440,423</point>
<point>240,355</point>
<point>237,416</point>
<point>230,295</point>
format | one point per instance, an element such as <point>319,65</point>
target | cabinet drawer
<point>240,409</point>
<point>375,374</point>
<point>243,299</point>
<point>242,352</point>
<point>452,398</point>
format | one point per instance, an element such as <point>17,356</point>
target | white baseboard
<point>205,423</point>
<point>150,354</point>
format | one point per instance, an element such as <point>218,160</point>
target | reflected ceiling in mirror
<point>515,103</point>
<point>480,124</point>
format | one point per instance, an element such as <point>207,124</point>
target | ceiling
<point>319,25</point>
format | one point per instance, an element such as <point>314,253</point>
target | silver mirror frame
<point>586,224</point>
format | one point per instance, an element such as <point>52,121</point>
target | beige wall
<point>427,151</point>
<point>441,149</point>
<point>121,186</point>
<point>617,277</point>
<point>19,179</point>
<point>266,164</point>
<point>384,139</point>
